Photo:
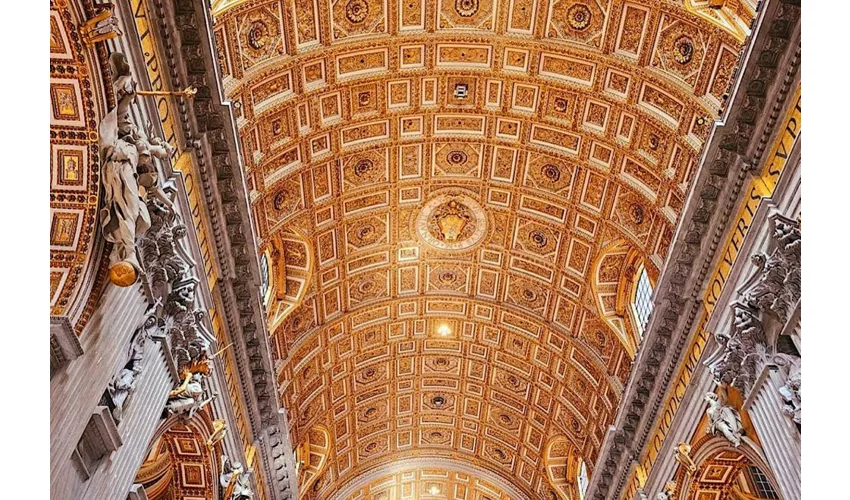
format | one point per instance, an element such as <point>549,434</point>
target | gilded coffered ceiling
<point>455,196</point>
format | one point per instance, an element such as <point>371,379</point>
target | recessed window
<point>643,300</point>
<point>763,486</point>
<point>582,480</point>
<point>264,277</point>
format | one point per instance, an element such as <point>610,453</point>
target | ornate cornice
<point>733,151</point>
<point>208,129</point>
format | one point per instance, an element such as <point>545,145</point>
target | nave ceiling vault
<point>500,168</point>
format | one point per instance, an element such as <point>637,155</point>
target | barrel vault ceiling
<point>454,197</point>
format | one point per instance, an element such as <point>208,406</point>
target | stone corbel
<point>99,438</point>
<point>64,344</point>
<point>137,492</point>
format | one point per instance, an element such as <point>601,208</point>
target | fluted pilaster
<point>779,436</point>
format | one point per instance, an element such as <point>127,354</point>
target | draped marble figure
<point>723,419</point>
<point>126,157</point>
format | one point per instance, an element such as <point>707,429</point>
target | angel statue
<point>126,164</point>
<point>723,419</point>
<point>186,399</point>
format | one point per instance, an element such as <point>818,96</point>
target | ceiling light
<point>444,330</point>
<point>434,490</point>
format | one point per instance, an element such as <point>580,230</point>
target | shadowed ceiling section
<point>456,169</point>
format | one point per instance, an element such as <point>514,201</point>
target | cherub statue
<point>126,164</point>
<point>683,456</point>
<point>103,26</point>
<point>218,433</point>
<point>723,419</point>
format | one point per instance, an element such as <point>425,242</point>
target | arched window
<point>582,480</point>
<point>264,277</point>
<point>642,303</point>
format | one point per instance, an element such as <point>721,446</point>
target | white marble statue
<point>723,419</point>
<point>668,493</point>
<point>125,382</point>
<point>235,481</point>
<point>126,164</point>
<point>790,373</point>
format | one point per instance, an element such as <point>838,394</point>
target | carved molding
<point>208,128</point>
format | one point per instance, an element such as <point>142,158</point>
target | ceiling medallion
<point>466,8</point>
<point>456,157</point>
<point>654,142</point>
<point>579,17</point>
<point>452,221</point>
<point>539,239</point>
<point>560,105</point>
<point>636,212</point>
<point>684,50</point>
<point>363,167</point>
<point>551,172</point>
<point>258,35</point>
<point>356,11</point>
<point>280,199</point>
